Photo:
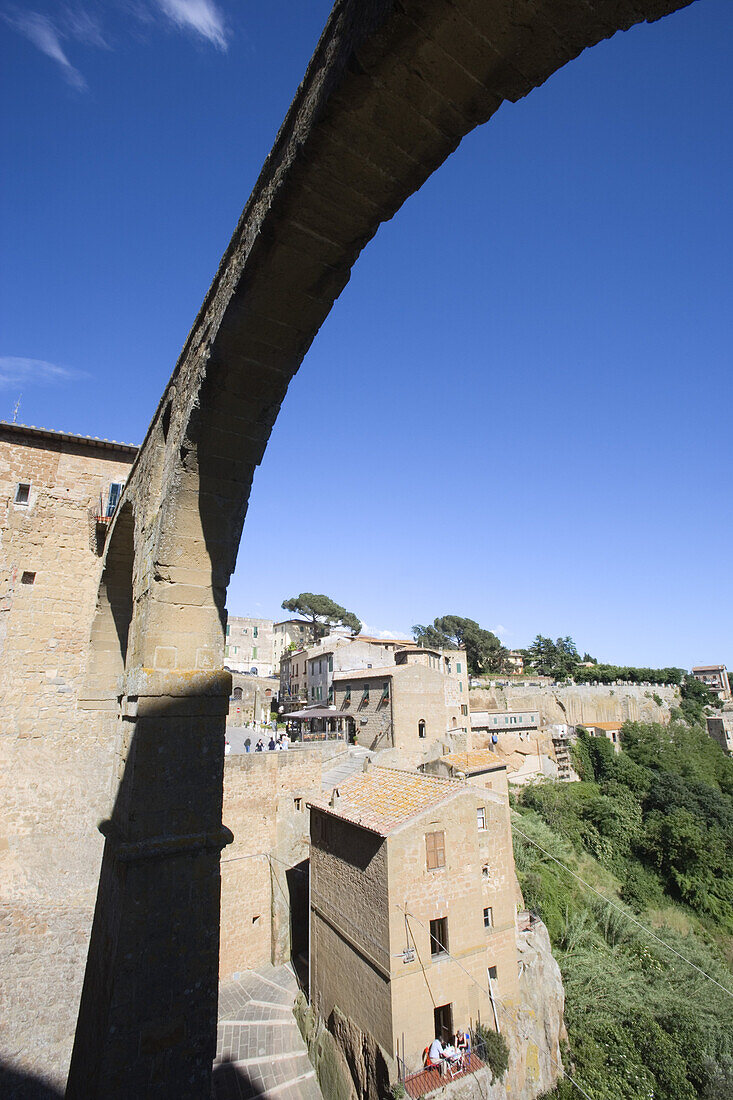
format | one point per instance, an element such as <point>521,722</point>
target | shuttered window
<point>435,849</point>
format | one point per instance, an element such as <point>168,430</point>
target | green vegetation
<point>652,829</point>
<point>484,651</point>
<point>560,660</point>
<point>492,1049</point>
<point>323,613</point>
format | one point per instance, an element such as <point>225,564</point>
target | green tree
<point>322,612</point>
<point>484,651</point>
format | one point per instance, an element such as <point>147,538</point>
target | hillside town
<point>367,788</point>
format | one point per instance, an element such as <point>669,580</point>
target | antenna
<point>17,406</point>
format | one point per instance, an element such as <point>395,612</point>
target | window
<point>28,578</point>
<point>439,936</point>
<point>235,649</point>
<point>115,492</point>
<point>488,917</point>
<point>421,728</point>
<point>464,709</point>
<point>435,848</point>
<point>492,973</point>
<point>228,629</point>
<point>485,872</point>
<point>330,662</point>
<point>298,803</point>
<point>255,920</point>
<point>254,652</point>
<point>458,666</point>
<point>23,492</point>
<point>460,685</point>
<point>254,632</point>
<point>481,817</point>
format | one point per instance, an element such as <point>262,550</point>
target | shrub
<point>491,1048</point>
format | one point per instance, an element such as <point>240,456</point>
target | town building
<point>420,699</point>
<point>610,730</point>
<point>336,654</point>
<point>413,928</point>
<point>720,728</point>
<point>514,662</point>
<point>714,677</point>
<point>290,634</point>
<point>58,494</point>
<point>250,645</point>
<point>487,721</point>
<point>251,700</point>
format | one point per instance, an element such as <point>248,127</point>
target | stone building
<point>413,930</point>
<point>57,493</point>
<point>251,699</point>
<point>306,673</point>
<point>720,728</point>
<point>249,645</point>
<point>486,721</point>
<point>715,677</point>
<point>610,730</point>
<point>289,634</point>
<point>418,700</point>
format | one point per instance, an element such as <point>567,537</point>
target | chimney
<point>367,764</point>
<point>334,799</point>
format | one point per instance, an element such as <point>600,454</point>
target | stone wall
<point>265,807</point>
<point>55,771</point>
<point>582,703</point>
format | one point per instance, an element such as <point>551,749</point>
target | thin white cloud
<point>499,630</point>
<point>200,16</point>
<point>85,28</point>
<point>17,371</point>
<point>39,30</point>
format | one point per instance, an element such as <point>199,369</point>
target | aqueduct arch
<point>392,88</point>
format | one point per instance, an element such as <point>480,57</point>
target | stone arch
<point>113,616</point>
<point>389,93</point>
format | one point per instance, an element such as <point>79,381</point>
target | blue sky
<point>519,410</point>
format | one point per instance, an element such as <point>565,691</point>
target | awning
<point>316,712</point>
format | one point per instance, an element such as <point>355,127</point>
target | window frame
<point>435,850</point>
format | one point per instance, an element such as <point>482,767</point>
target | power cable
<point>504,1009</point>
<point>623,912</point>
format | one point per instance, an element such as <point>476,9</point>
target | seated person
<point>463,1045</point>
<point>435,1055</point>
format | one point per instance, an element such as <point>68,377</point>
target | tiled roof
<point>365,673</point>
<point>606,725</point>
<point>68,437</point>
<point>475,761</point>
<point>382,799</point>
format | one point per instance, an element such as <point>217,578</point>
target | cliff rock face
<point>536,1035</point>
<point>581,703</point>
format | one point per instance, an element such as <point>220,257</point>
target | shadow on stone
<point>231,1082</point>
<point>16,1085</point>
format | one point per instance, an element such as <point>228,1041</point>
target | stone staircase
<point>351,766</point>
<point>259,1049</point>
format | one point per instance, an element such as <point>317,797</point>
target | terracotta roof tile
<point>474,761</point>
<point>382,799</point>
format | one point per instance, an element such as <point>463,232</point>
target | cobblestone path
<point>259,1050</point>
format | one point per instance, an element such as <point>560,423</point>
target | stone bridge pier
<point>391,89</point>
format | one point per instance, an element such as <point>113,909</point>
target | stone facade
<point>55,773</point>
<point>408,705</point>
<point>251,700</point>
<point>714,677</point>
<point>422,850</point>
<point>249,645</point>
<point>720,728</point>
<point>263,871</point>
